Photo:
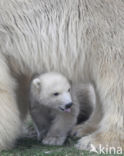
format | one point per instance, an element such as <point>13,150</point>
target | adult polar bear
<point>83,39</point>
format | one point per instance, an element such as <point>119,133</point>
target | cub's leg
<point>58,132</point>
<point>41,119</point>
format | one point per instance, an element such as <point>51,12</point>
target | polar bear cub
<point>54,111</point>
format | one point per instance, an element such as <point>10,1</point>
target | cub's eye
<point>56,94</point>
<point>69,90</point>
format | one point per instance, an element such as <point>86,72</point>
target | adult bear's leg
<point>10,122</point>
<point>110,86</point>
<point>88,100</point>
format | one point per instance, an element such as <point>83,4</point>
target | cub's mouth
<point>67,107</point>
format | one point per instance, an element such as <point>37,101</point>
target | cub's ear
<point>36,84</point>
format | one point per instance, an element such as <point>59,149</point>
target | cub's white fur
<point>53,109</point>
<point>83,39</point>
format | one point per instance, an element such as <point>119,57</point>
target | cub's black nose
<point>68,105</point>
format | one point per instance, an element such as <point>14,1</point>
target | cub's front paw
<point>54,140</point>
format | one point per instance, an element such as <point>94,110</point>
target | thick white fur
<point>51,119</point>
<point>83,39</point>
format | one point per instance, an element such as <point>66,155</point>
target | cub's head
<point>52,90</point>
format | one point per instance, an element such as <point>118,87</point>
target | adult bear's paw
<point>99,141</point>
